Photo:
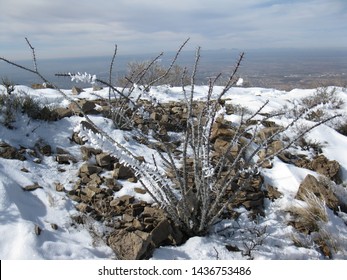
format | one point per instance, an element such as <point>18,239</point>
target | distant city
<point>278,68</point>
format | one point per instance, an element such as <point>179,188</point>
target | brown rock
<point>328,168</point>
<point>87,152</point>
<point>59,187</point>
<point>65,159</point>
<point>83,207</point>
<point>267,132</point>
<point>104,159</point>
<point>9,152</point>
<point>129,245</point>
<point>122,172</point>
<point>89,169</point>
<point>62,113</point>
<point>161,232</point>
<point>32,187</point>
<point>273,193</point>
<point>76,90</point>
<point>140,190</point>
<point>77,139</point>
<point>311,184</point>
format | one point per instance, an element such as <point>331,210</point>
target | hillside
<point>65,193</point>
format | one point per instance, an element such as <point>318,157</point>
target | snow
<point>21,211</point>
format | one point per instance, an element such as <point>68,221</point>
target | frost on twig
<point>83,77</point>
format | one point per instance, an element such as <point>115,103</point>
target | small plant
<point>145,72</point>
<point>312,218</point>
<point>325,96</point>
<point>8,108</point>
<point>9,85</point>
<point>11,105</point>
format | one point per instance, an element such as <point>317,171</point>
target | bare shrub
<point>144,75</point>
<point>8,84</point>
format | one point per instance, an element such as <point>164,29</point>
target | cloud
<point>75,28</point>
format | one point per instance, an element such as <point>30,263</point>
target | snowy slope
<point>21,211</point>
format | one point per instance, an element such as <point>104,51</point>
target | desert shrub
<point>8,84</point>
<point>19,103</point>
<point>323,97</point>
<point>8,109</point>
<point>341,127</point>
<point>145,72</point>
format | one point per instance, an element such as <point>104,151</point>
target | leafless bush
<point>8,84</point>
<point>144,75</point>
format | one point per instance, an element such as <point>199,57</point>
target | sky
<point>80,28</point>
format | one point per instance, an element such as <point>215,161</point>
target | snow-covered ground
<point>21,211</point>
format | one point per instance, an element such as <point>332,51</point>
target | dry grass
<point>311,218</point>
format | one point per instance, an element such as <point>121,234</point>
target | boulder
<point>129,245</point>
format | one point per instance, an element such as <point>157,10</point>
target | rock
<point>86,106</point>
<point>87,152</point>
<point>41,86</point>
<point>89,126</point>
<point>311,184</point>
<point>267,132</point>
<point>140,190</point>
<point>272,193</point>
<point>77,139</point>
<point>83,207</point>
<point>65,159</point>
<point>43,148</point>
<point>127,218</point>
<point>89,169</point>
<point>112,184</point>
<point>221,129</point>
<point>328,168</point>
<point>221,146</point>
<point>129,245</point>
<point>63,113</point>
<point>54,226</point>
<point>76,90</point>
<point>122,172</point>
<point>9,152</point>
<point>37,230</point>
<point>33,187</point>
<point>97,88</point>
<point>161,233</point>
<point>105,160</point>
<point>59,187</point>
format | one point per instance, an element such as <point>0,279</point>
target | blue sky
<point>70,28</point>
